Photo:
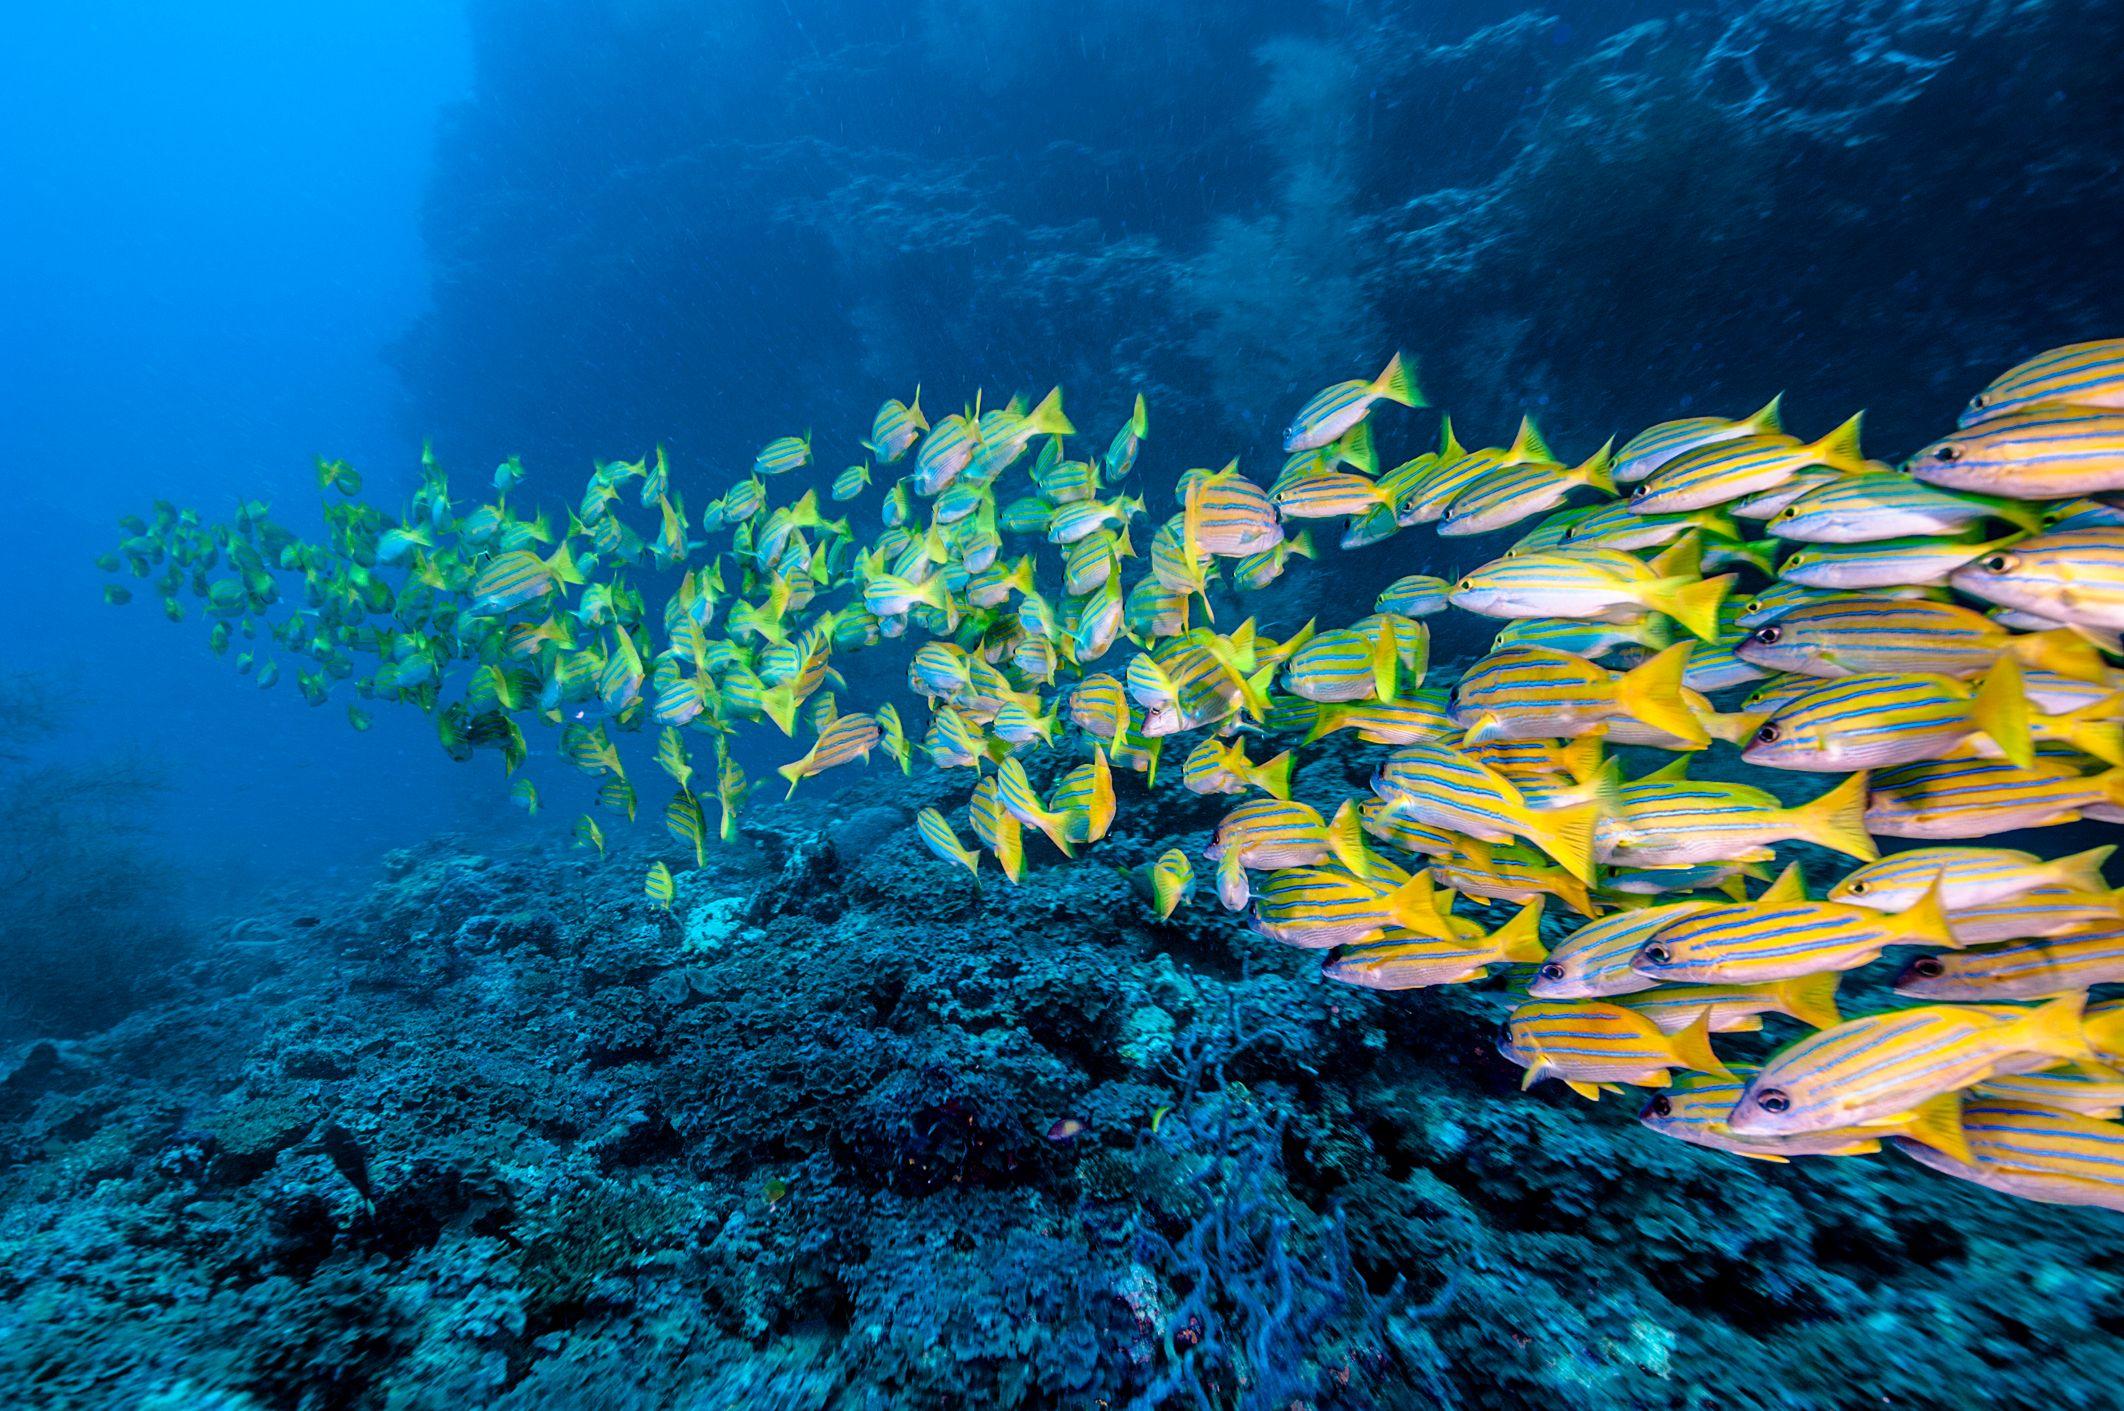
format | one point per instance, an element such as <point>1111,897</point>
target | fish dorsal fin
<point>1528,445</point>
<point>1790,886</point>
<point>1675,771</point>
<point>1449,447</point>
<point>1683,558</point>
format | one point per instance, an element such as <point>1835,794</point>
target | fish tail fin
<point>562,566</point>
<point>1837,820</point>
<point>1582,758</point>
<point>2082,871</point>
<point>914,409</point>
<point>779,704</point>
<point>1519,939</point>
<point>1732,727</point>
<point>1576,895</point>
<point>1010,854</point>
<point>1415,906</point>
<point>1327,719</point>
<point>2000,710</point>
<point>2111,783</point>
<point>2061,650</point>
<point>1691,602</point>
<point>794,773</point>
<point>1839,450</point>
<point>1650,693</point>
<point>1692,1046</point>
<point>1596,473</point>
<point>2056,1028</point>
<point>1273,776</point>
<point>1302,543</point>
<point>1924,922</point>
<point>1811,999</point>
<point>1397,383</point>
<point>1565,834</point>
<point>2092,730</point>
<point>1355,448</point>
<point>1047,418</point>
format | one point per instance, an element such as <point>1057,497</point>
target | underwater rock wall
<point>646,219</point>
<point>839,1130</point>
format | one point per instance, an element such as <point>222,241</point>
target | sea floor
<point>840,1130</point>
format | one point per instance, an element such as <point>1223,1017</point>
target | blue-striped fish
<point>1015,792</point>
<point>1876,720</point>
<point>937,835</point>
<point>1849,636</point>
<point>517,578</point>
<point>1967,876</point>
<point>1752,943</point>
<point>659,885</point>
<point>840,740</point>
<point>2060,965</point>
<point>1665,821</point>
<point>1591,583</point>
<point>996,829</point>
<point>1945,799</point>
<point>1862,509</point>
<point>1420,962</point>
<point>2039,455</point>
<point>895,429</point>
<point>2074,577</point>
<point>1532,693</point>
<point>1725,471</point>
<point>1882,1066</point>
<point>1918,562</point>
<point>1166,883</point>
<point>1128,441</point>
<point>2083,1093</point>
<point>1510,494</point>
<point>2076,375</point>
<point>782,455</point>
<point>1439,784</point>
<point>1416,595</point>
<point>1334,410</point>
<point>1593,962</point>
<point>1315,908</point>
<point>1695,1110</point>
<point>1592,1044</point>
<point>1217,767</point>
<point>1739,1009</point>
<point>1234,516</point>
<point>2033,1151</point>
<point>1085,799</point>
<point>1653,447</point>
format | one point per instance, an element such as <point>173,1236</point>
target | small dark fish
<point>306,922</point>
<point>1065,1129</point>
<point>348,1159</point>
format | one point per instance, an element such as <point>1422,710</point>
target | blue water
<point>237,236</point>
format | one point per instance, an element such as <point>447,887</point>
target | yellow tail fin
<point>1650,693</point>
<point>1938,1124</point>
<point>1924,922</point>
<point>2056,1028</point>
<point>1837,820</point>
<point>1839,450</point>
<point>2000,710</point>
<point>1692,1047</point>
<point>1692,603</point>
<point>1519,940</point>
<point>1047,419</point>
<point>1565,834</point>
<point>1398,384</point>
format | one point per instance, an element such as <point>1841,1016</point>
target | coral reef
<point>840,1130</point>
<point>1544,203</point>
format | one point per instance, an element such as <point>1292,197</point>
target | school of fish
<point>1938,639</point>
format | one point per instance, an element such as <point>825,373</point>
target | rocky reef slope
<point>840,1130</point>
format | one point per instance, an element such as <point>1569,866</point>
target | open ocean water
<point>1272,705</point>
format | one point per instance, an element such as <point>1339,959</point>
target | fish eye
<point>1999,563</point>
<point>1929,967</point>
<point>1552,971</point>
<point>1769,733</point>
<point>1858,889</point>
<point>1773,1100</point>
<point>1979,401</point>
<point>1662,1107</point>
<point>1657,953</point>
<point>1767,635</point>
<point>1640,490</point>
<point>1504,1032</point>
<point>1947,453</point>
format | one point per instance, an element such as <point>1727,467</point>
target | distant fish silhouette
<point>348,1159</point>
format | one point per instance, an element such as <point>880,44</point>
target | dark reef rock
<point>1023,1147</point>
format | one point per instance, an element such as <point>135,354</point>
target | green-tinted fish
<point>1167,882</point>
<point>1925,562</point>
<point>784,454</point>
<point>1724,471</point>
<point>895,429</point>
<point>1591,583</point>
<point>1863,509</point>
<point>1334,410</point>
<point>658,886</point>
<point>1653,447</point>
<point>936,835</point>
